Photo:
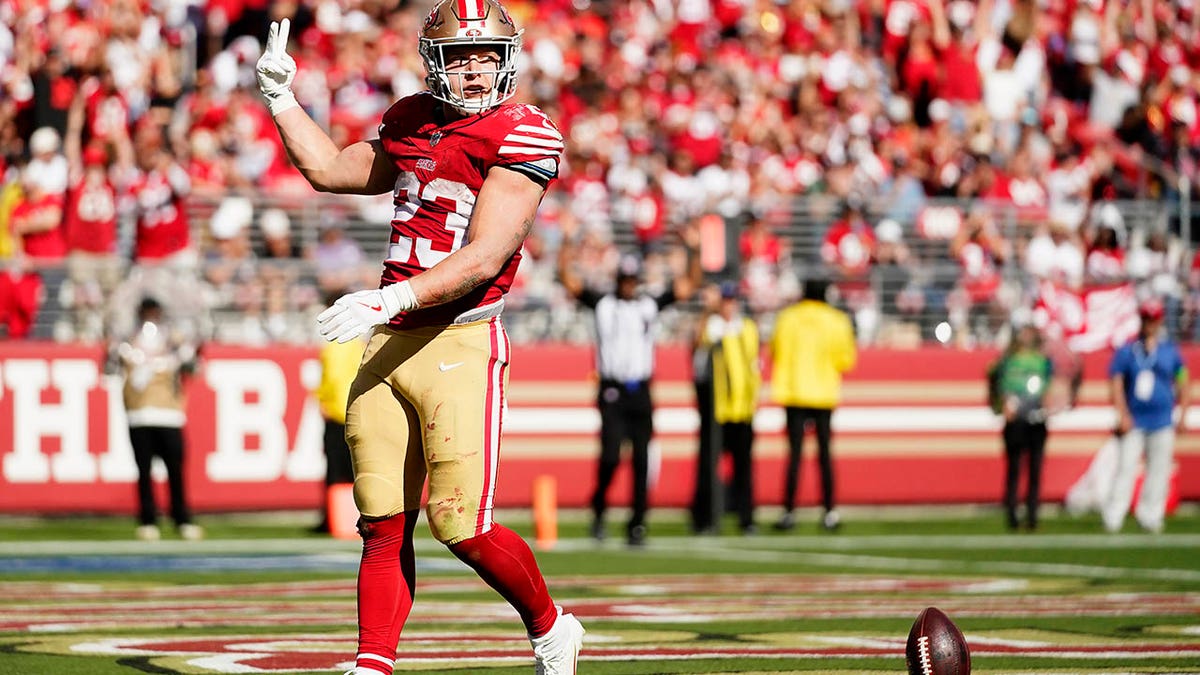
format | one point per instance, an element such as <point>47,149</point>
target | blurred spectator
<point>1054,253</point>
<point>1154,267</point>
<point>1068,186</point>
<point>47,166</point>
<point>976,306</point>
<point>726,182</point>
<point>159,185</point>
<point>10,197</point>
<point>902,296</point>
<point>764,258</point>
<point>849,250</point>
<point>277,240</point>
<point>643,206</point>
<point>37,222</point>
<point>233,274</point>
<point>21,294</point>
<point>90,224</point>
<point>338,258</point>
<point>1106,255</point>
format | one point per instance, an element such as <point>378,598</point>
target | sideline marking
<point>848,561</point>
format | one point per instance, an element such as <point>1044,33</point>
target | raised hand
<point>276,69</point>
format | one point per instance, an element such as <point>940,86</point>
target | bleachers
<point>549,316</point>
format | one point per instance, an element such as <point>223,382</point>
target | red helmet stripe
<point>470,10</point>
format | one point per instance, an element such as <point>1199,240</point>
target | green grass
<point>1022,599</point>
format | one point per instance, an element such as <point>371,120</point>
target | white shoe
<point>148,533</point>
<point>557,652</point>
<point>191,532</point>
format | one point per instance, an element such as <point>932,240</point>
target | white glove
<point>276,69</point>
<point>356,313</point>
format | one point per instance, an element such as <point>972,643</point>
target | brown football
<point>936,646</point>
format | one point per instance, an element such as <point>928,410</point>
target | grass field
<point>261,595</point>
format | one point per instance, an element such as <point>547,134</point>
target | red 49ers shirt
<point>90,218</point>
<point>47,244</point>
<point>162,223</point>
<point>441,168</point>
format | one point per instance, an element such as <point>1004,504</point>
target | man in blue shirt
<point>1148,378</point>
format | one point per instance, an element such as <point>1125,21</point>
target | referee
<point>625,331</point>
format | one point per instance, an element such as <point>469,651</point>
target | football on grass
<point>936,646</point>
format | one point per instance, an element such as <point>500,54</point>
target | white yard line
<point>844,561</point>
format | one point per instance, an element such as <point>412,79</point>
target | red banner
<point>913,429</point>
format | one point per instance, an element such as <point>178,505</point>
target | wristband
<point>399,297</point>
<point>282,101</point>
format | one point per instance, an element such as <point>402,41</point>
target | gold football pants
<point>430,402</point>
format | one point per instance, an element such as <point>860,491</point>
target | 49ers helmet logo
<point>433,20</point>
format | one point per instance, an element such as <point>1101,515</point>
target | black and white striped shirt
<point>625,333</point>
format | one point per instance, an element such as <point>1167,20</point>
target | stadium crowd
<point>995,136</point>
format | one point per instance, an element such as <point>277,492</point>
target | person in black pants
<point>625,413</point>
<point>729,343</point>
<point>706,508</point>
<point>625,331</point>
<point>812,347</point>
<point>798,421</point>
<point>154,361</point>
<point>1020,385</point>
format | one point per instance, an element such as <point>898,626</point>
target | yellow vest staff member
<point>339,366</point>
<point>812,347</point>
<point>733,342</point>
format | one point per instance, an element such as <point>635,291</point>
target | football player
<point>467,170</point>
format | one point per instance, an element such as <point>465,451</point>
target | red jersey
<point>441,167</point>
<point>107,112</point>
<point>850,246</point>
<point>47,244</point>
<point>20,295</point>
<point>162,223</point>
<point>90,217</point>
<point>649,217</point>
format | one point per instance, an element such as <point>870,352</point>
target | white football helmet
<point>455,23</point>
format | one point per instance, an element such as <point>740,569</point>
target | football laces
<point>923,654</point>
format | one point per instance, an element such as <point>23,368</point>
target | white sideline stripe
<point>530,140</point>
<point>540,131</point>
<point>845,561</point>
<point>770,419</point>
<point>952,542</point>
<point>526,150</point>
<point>1007,541</point>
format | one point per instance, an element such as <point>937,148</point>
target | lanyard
<point>1146,362</point>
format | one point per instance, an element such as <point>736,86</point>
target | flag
<point>1087,320</point>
